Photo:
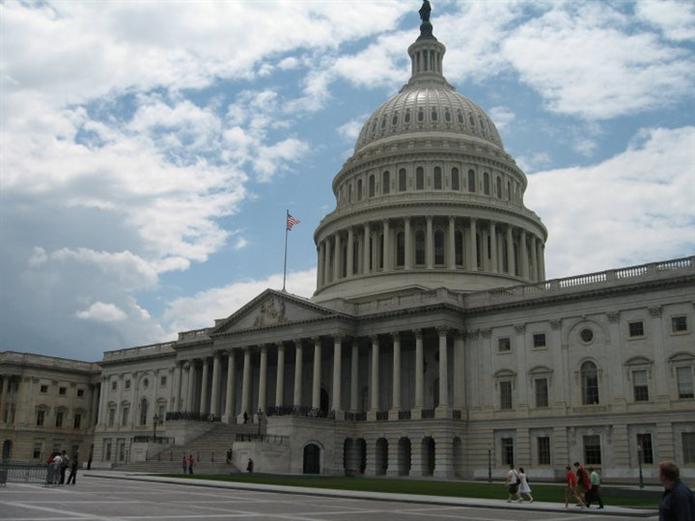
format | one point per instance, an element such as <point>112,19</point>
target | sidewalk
<point>381,496</point>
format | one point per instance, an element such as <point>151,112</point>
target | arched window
<point>402,180</point>
<point>471,120</point>
<point>434,114</point>
<point>447,116</point>
<point>372,186</point>
<point>419,247</point>
<point>143,411</point>
<point>394,119</point>
<point>421,115</point>
<point>460,117</point>
<point>499,187</point>
<point>400,249</point>
<point>509,191</point>
<point>458,248</point>
<point>385,182</point>
<point>383,122</point>
<point>407,115</point>
<point>437,178</point>
<point>589,375</point>
<point>439,247</point>
<point>359,189</point>
<point>349,193</point>
<point>420,178</point>
<point>471,181</point>
<point>455,183</point>
<point>486,183</point>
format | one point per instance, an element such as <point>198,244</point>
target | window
<point>44,388</point>
<point>163,381</point>
<point>385,182</point>
<point>124,415</point>
<point>541,388</point>
<point>507,451</point>
<point>437,178</point>
<point>587,335</point>
<point>62,391</point>
<point>684,379</point>
<point>421,115</point>
<point>402,180</point>
<point>504,345</point>
<point>112,416</point>
<point>447,115</point>
<point>459,116</point>
<point>40,417</point>
<point>640,386</point>
<point>400,249</point>
<point>114,385</point>
<point>688,439</point>
<point>644,445</point>
<point>394,119</point>
<point>471,181</point>
<point>77,421</point>
<point>419,247</point>
<point>372,186</point>
<point>509,191</point>
<point>439,247</point>
<point>127,384</point>
<point>498,183</point>
<point>145,383</point>
<point>107,450</point>
<point>486,183</point>
<point>592,450</point>
<point>359,189</point>
<point>539,340</point>
<point>589,376</point>
<point>543,445</point>
<point>80,393</point>
<point>407,115</point>
<point>679,324</point>
<point>455,181</point>
<point>458,248</point>
<point>143,412</point>
<point>505,395</point>
<point>36,454</point>
<point>419,178</point>
<point>59,418</point>
<point>349,193</point>
<point>636,329</point>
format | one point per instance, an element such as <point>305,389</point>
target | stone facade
<point>433,345</point>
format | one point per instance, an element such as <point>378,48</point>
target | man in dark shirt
<point>678,502</point>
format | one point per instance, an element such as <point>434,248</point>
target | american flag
<point>291,221</point>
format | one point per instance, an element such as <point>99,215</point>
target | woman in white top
<point>524,489</point>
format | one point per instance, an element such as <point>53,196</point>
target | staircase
<point>209,453</point>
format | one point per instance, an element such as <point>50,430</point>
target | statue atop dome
<point>425,11</point>
<point>426,26</point>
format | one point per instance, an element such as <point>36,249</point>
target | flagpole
<point>284,269</point>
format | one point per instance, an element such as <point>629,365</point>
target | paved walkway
<point>487,504</point>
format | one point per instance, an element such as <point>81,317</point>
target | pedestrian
<point>56,465</point>
<point>65,461</point>
<point>184,464</point>
<point>229,456</point>
<point>249,466</point>
<point>73,470</point>
<point>571,487</point>
<point>246,417</point>
<point>512,484</point>
<point>524,488</point>
<point>583,481</point>
<point>89,462</point>
<point>190,463</point>
<point>678,501</point>
<point>594,494</point>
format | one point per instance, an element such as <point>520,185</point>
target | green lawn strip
<point>551,493</point>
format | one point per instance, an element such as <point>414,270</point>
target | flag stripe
<point>291,221</point>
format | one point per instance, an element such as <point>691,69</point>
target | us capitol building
<point>432,346</point>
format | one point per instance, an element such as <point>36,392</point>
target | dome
<point>426,107</point>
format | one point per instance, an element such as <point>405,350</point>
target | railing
<point>265,438</point>
<point>305,411</point>
<point>404,415</point>
<point>160,440</point>
<point>196,334</point>
<point>192,416</point>
<point>148,350</point>
<point>382,415</point>
<point>15,472</point>
<point>356,416</point>
<point>427,414</point>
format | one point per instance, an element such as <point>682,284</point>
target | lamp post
<point>156,420</point>
<point>639,460</point>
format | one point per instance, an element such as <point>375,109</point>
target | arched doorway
<point>312,459</point>
<point>458,457</point>
<point>349,457</point>
<point>381,456</point>
<point>6,449</point>
<point>362,455</point>
<point>428,456</point>
<point>404,457</point>
<point>324,402</point>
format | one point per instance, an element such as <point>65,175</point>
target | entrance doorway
<point>312,459</point>
<point>6,449</point>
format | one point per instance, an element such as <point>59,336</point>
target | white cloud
<point>501,116</point>
<point>102,312</point>
<point>199,310</point>
<point>350,130</point>
<point>240,243</point>
<point>634,207</point>
<point>676,19</point>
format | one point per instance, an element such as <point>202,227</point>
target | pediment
<point>270,309</point>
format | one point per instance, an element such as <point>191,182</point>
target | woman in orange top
<point>571,489</point>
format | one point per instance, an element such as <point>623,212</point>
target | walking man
<point>184,464</point>
<point>678,501</point>
<point>73,470</point>
<point>64,462</point>
<point>190,463</point>
<point>594,494</point>
<point>512,483</point>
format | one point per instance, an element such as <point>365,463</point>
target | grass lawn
<point>552,493</point>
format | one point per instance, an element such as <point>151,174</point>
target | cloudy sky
<point>148,150</point>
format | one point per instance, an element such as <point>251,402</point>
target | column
<point>510,252</point>
<point>204,388</point>
<point>523,253</point>
<point>444,457</point>
<point>443,408</point>
<point>316,381</point>
<point>452,244</point>
<point>429,246</point>
<point>473,250</point>
<point>336,257</point>
<point>319,268</point>
<point>365,249</point>
<point>230,405</point>
<point>534,259</point>
<point>215,398</point>
<point>419,376</point>
<point>387,246</point>
<point>297,398</point>
<point>493,247</point>
<point>280,377</point>
<point>190,370</point>
<point>459,372</point>
<point>327,268</point>
<point>541,260</point>
<point>337,373</point>
<point>394,459</point>
<point>179,386</point>
<point>94,406</point>
<point>246,385</point>
<point>263,379</point>
<point>354,376</point>
<point>374,379</point>
<point>408,243</point>
<point>350,252</point>
<point>396,397</point>
<point>103,389</point>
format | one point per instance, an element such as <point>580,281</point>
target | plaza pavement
<point>139,497</point>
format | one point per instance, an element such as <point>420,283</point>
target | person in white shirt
<point>512,485</point>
